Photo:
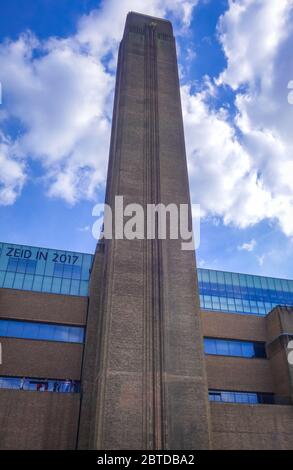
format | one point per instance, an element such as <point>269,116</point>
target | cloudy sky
<point>57,71</point>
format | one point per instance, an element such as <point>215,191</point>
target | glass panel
<point>3,327</point>
<point>247,349</point>
<point>235,348</point>
<point>205,276</point>
<point>74,287</point>
<point>264,283</point>
<point>47,283</point>
<point>240,397</point>
<point>213,277</point>
<point>67,271</point>
<point>15,329</point>
<point>210,346</point>
<point>2,276</point>
<point>58,270</point>
<point>242,280</point>
<point>12,264</point>
<point>260,350</point>
<point>249,281</point>
<point>56,285</point>
<point>31,267</point>
<point>46,332</point>
<point>252,398</point>
<point>18,281</point>
<point>256,280</point>
<point>220,277</point>
<point>62,333</point>
<point>222,347</point>
<point>84,287</point>
<point>9,382</point>
<point>37,284</point>
<point>223,303</point>
<point>75,335</point>
<point>8,281</point>
<point>267,398</point>
<point>228,397</point>
<point>76,272</point>
<point>31,330</point>
<point>21,266</point>
<point>214,396</point>
<point>28,282</point>
<point>65,286</point>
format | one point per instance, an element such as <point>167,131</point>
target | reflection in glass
<point>41,331</point>
<point>231,347</point>
<point>40,385</point>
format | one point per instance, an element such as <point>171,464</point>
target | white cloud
<point>12,176</point>
<point>222,176</point>
<point>62,100</point>
<point>242,171</point>
<point>247,246</point>
<point>86,228</point>
<point>201,263</point>
<point>102,29</point>
<point>251,32</point>
<point>61,93</point>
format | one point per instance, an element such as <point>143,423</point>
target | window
<point>222,348</point>
<point>41,331</point>
<point>210,346</point>
<point>231,347</point>
<point>24,266</point>
<point>242,293</point>
<point>67,271</point>
<point>40,384</point>
<point>252,398</point>
<point>44,270</point>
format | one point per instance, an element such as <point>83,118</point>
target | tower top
<point>139,20</point>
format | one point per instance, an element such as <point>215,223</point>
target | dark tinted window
<point>229,347</point>
<point>251,398</point>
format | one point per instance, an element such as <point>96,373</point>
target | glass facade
<point>242,293</point>
<point>44,270</point>
<point>231,347</point>
<point>252,398</point>
<point>40,385</point>
<point>64,272</point>
<point>41,331</point>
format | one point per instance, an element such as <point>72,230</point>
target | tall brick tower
<point>143,381</point>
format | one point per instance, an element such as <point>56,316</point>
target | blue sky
<point>57,69</point>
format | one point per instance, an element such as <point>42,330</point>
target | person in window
<point>73,387</point>
<point>22,383</point>
<point>56,387</point>
<point>67,386</point>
